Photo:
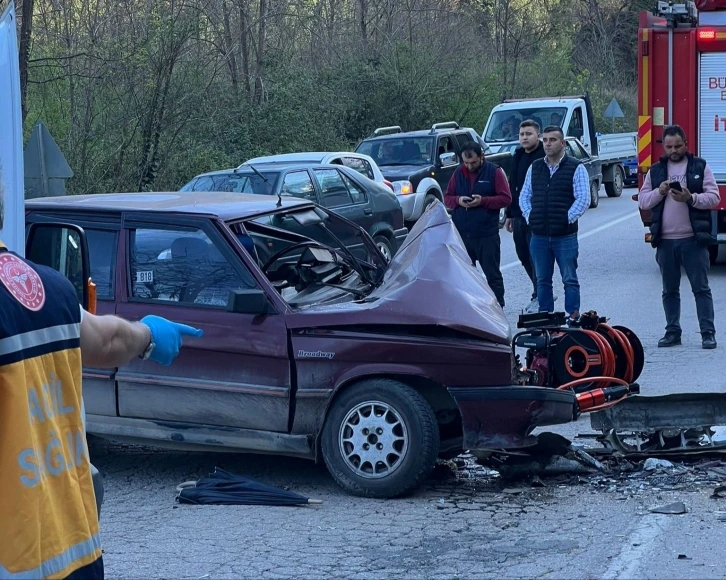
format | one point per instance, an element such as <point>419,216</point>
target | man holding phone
<point>477,191</point>
<point>680,190</point>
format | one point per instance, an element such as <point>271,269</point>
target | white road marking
<point>631,558</point>
<point>597,230</point>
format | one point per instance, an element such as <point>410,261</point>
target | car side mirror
<point>577,132</point>
<point>447,159</point>
<point>64,248</point>
<point>252,301</point>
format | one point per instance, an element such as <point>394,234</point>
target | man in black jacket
<point>531,149</point>
<point>680,191</point>
<point>476,192</point>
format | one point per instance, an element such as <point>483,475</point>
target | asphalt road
<point>455,527</point>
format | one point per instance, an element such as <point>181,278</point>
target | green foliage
<point>146,96</point>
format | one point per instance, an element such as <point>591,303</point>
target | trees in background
<point>144,94</point>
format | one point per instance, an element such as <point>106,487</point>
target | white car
<point>363,164</point>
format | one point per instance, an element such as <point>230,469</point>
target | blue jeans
<point>545,250</point>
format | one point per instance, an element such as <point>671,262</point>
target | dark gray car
<point>346,192</point>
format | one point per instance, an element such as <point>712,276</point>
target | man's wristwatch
<point>148,350</point>
<point>689,201</point>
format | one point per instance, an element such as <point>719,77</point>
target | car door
<point>339,193</point>
<point>446,144</point>
<point>102,233</point>
<point>238,374</point>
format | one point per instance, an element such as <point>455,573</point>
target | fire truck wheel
<point>615,187</point>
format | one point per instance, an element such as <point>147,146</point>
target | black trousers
<point>671,255</point>
<point>92,571</point>
<point>522,236</point>
<point>487,251</point>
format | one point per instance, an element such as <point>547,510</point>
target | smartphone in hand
<point>467,199</point>
<point>675,185</point>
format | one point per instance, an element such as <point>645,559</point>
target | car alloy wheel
<point>373,440</point>
<point>384,246</point>
<point>380,438</point>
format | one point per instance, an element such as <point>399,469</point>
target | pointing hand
<point>167,337</point>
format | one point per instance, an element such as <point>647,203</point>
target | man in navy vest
<point>555,194</point>
<point>476,192</point>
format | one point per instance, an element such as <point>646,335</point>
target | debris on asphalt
<point>683,557</point>
<point>675,508</point>
<point>719,492</point>
<point>651,464</point>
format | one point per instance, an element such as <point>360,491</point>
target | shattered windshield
<point>311,256</point>
<point>398,151</point>
<point>504,125</point>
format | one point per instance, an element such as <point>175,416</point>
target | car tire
<point>401,416</point>
<point>594,194</point>
<point>385,246</point>
<point>615,187</point>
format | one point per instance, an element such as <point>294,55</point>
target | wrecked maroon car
<point>313,345</point>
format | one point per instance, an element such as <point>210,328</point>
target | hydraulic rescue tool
<point>598,362</point>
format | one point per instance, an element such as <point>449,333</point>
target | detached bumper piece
<point>504,417</point>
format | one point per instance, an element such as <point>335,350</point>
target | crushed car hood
<point>430,281</point>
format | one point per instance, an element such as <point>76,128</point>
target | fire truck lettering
<point>717,82</point>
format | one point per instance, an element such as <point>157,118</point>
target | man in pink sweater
<point>680,190</point>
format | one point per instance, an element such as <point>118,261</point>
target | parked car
<point>418,163</point>
<point>574,148</point>
<point>363,164</point>
<point>374,368</point>
<point>350,194</point>
<point>631,172</point>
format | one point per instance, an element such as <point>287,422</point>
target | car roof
<point>419,133</point>
<point>302,157</point>
<point>223,205</point>
<point>268,167</point>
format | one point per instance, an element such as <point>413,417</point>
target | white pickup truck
<point>574,115</point>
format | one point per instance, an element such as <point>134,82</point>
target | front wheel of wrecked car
<point>380,439</point>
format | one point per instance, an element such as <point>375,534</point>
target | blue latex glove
<point>167,337</point>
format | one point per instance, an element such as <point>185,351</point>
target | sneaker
<point>671,339</point>
<point>573,320</point>
<point>533,307</point>
<point>709,341</point>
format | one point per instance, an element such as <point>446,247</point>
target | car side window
<point>580,152</point>
<point>333,192</point>
<point>102,245</point>
<point>298,184</point>
<point>463,139</point>
<point>446,145</point>
<point>574,151</point>
<point>357,193</point>
<point>184,266</point>
<point>574,129</point>
<point>360,165</point>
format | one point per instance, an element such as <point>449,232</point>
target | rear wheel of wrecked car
<point>385,246</point>
<point>380,439</point>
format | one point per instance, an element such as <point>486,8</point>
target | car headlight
<point>402,187</point>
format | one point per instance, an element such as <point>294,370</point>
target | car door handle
<point>368,211</point>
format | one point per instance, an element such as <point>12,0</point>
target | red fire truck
<point>682,80</point>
